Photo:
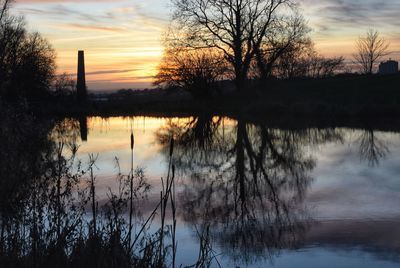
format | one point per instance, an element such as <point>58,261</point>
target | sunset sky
<point>122,38</point>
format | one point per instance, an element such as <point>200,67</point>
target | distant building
<point>81,79</point>
<point>389,67</point>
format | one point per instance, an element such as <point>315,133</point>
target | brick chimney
<point>81,80</point>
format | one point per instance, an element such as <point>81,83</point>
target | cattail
<point>132,141</point>
<point>171,148</point>
<point>173,171</point>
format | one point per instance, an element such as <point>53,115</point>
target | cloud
<point>107,85</point>
<point>94,27</point>
<point>82,15</point>
<point>136,77</point>
<point>377,237</point>
<point>111,71</point>
<point>103,72</point>
<point>62,12</point>
<point>341,14</point>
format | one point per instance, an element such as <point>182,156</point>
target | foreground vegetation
<point>50,214</point>
<point>28,62</point>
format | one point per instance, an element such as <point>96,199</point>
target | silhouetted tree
<point>237,28</point>
<point>27,61</point>
<point>64,85</point>
<point>320,66</point>
<point>196,71</point>
<point>370,48</point>
<point>293,61</point>
<point>302,60</point>
<point>288,36</point>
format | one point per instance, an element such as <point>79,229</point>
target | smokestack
<point>81,82</point>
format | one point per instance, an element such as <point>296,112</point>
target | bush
<point>27,60</point>
<point>196,71</point>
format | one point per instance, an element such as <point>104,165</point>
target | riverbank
<point>341,98</point>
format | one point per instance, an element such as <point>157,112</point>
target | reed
<point>131,193</point>
<point>56,221</point>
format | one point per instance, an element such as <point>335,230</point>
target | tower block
<point>81,80</point>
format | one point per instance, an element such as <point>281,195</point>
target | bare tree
<point>370,49</point>
<point>318,66</point>
<point>235,27</point>
<point>293,62</point>
<point>289,34</point>
<point>302,60</point>
<point>64,85</point>
<point>196,71</point>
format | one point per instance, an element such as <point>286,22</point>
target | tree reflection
<point>245,191</point>
<point>372,149</point>
<point>36,185</point>
<point>247,182</point>
<point>24,144</point>
<point>197,142</point>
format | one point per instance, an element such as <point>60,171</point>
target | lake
<point>262,197</point>
<point>199,191</point>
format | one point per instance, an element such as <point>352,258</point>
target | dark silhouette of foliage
<point>27,61</point>
<point>302,60</point>
<point>196,71</point>
<point>256,39</point>
<point>237,29</point>
<point>45,220</point>
<point>288,36</point>
<point>64,85</point>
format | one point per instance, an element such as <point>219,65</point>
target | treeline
<point>27,61</point>
<point>258,40</point>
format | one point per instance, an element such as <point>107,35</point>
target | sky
<point>122,39</point>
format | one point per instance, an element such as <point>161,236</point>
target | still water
<point>266,197</point>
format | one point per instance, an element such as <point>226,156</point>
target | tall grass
<point>52,213</point>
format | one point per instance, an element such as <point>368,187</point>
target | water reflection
<point>247,183</point>
<point>24,144</point>
<point>45,190</point>
<point>246,191</point>
<point>372,149</point>
<point>36,184</point>
<point>83,128</point>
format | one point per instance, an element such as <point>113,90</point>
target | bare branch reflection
<point>372,149</point>
<point>247,183</point>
